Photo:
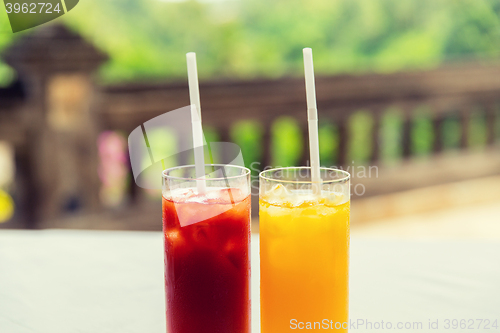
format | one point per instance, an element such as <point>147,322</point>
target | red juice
<point>207,262</point>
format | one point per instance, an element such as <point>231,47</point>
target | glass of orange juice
<point>304,250</point>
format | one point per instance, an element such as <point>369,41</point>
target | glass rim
<point>346,176</point>
<point>165,172</point>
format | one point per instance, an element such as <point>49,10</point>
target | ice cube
<point>181,194</point>
<point>201,236</point>
<point>234,253</point>
<point>303,198</point>
<point>225,196</point>
<point>333,198</point>
<point>213,193</point>
<point>277,195</point>
<point>175,239</point>
<point>172,234</point>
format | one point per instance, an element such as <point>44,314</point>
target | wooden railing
<point>446,92</point>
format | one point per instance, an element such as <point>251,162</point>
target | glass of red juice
<point>207,249</point>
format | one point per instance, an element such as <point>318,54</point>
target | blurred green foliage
<point>287,142</point>
<point>422,132</point>
<point>6,36</point>
<point>477,130</point>
<point>328,144</point>
<point>360,138</point>
<point>254,38</point>
<point>248,135</point>
<point>451,132</point>
<point>391,136</point>
<point>163,140</point>
<point>263,38</point>
<point>212,154</point>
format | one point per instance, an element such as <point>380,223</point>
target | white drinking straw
<point>194,96</point>
<point>312,118</point>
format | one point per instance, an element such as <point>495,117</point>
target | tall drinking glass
<point>304,250</point>
<point>207,239</point>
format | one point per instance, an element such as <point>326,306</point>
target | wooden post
<point>464,115</point>
<point>375,156</point>
<point>28,194</point>
<point>490,124</point>
<point>266,158</point>
<point>225,136</point>
<point>304,158</point>
<point>407,135</point>
<point>343,141</point>
<point>134,192</point>
<point>437,124</point>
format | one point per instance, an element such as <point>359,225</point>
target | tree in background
<point>259,38</point>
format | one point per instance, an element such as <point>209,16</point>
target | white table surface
<point>64,281</point>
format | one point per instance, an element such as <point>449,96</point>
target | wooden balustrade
<point>225,103</point>
<point>450,92</point>
<point>446,92</point>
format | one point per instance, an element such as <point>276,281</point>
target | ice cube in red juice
<point>207,263</point>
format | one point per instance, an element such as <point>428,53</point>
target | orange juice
<point>304,260</point>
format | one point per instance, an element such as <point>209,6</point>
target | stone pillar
<point>57,67</point>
